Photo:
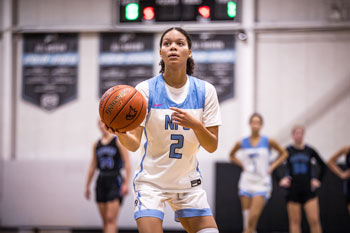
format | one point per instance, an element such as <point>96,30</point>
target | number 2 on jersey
<point>177,145</point>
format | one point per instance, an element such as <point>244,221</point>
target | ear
<point>190,53</point>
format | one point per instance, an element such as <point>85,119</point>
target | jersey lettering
<point>253,158</point>
<point>106,162</point>
<point>178,145</point>
<point>169,124</point>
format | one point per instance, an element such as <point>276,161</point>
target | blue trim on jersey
<point>149,213</point>
<point>263,143</point>
<point>190,212</point>
<point>119,181</point>
<point>159,99</point>
<point>138,198</point>
<point>197,168</point>
<point>253,194</point>
<point>143,158</point>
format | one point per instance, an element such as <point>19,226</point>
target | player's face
<point>298,135</point>
<point>174,49</point>
<point>255,124</point>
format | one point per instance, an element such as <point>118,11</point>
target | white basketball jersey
<point>169,158</point>
<point>255,160</point>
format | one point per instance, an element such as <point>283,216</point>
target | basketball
<point>122,108</point>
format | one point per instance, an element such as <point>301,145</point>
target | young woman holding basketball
<point>183,114</point>
<point>109,156</point>
<point>255,181</point>
<point>345,175</point>
<point>301,183</point>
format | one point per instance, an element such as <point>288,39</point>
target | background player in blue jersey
<point>255,183</point>
<point>301,182</point>
<point>183,114</point>
<point>109,156</point>
<point>345,175</point>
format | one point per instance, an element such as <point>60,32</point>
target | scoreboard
<point>154,11</point>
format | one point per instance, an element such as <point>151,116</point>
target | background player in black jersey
<point>109,156</point>
<point>345,175</point>
<point>301,183</point>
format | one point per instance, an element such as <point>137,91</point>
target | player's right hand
<point>285,182</point>
<point>112,131</point>
<point>346,174</point>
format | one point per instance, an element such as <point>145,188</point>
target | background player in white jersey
<point>183,114</point>
<point>255,181</point>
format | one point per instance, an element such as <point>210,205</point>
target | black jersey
<point>299,167</point>
<point>108,158</point>
<point>347,161</point>
<point>347,181</point>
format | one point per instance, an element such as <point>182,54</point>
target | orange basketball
<point>122,108</point>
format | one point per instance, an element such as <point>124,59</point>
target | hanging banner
<point>215,58</point>
<point>49,69</point>
<point>125,58</point>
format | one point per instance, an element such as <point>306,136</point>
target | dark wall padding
<point>334,217</point>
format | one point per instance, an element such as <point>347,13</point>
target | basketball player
<point>301,183</point>
<point>183,114</point>
<point>255,183</point>
<point>109,156</point>
<point>345,175</point>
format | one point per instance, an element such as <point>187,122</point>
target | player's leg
<point>149,225</point>
<point>111,195</point>
<point>193,211</point>
<point>313,215</point>
<point>294,216</point>
<point>102,207</point>
<point>246,203</point>
<point>257,205</point>
<point>149,210</point>
<point>202,224</point>
<point>112,210</point>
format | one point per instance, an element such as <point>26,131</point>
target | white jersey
<point>169,160</point>
<point>255,178</point>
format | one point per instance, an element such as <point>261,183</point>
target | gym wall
<point>293,68</point>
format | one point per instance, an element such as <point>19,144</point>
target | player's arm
<point>283,173</point>
<point>233,152</point>
<point>131,139</point>
<point>334,167</point>
<point>207,136</point>
<point>126,162</point>
<point>283,155</point>
<point>91,171</point>
<point>320,163</point>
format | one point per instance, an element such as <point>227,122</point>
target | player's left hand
<point>87,193</point>
<point>183,118</point>
<point>315,183</point>
<point>124,189</point>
